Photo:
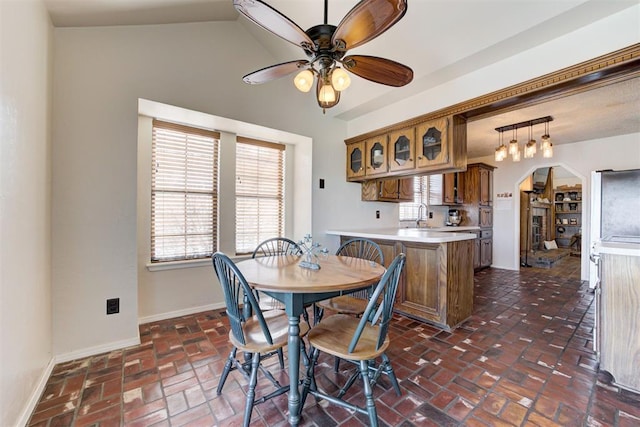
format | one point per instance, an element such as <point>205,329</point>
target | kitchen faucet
<point>422,205</point>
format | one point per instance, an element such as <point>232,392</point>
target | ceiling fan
<point>325,45</point>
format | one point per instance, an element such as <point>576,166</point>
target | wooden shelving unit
<point>567,207</point>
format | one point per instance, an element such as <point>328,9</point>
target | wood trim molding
<point>616,66</point>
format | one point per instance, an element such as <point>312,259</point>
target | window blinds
<point>409,211</point>
<point>184,192</point>
<point>259,192</point>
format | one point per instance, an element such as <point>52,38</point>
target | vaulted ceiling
<point>440,40</point>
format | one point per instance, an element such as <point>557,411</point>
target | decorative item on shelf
<point>325,46</point>
<point>573,221</point>
<point>310,250</point>
<point>573,206</point>
<point>530,148</point>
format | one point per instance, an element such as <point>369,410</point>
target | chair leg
<point>281,358</point>
<point>309,379</point>
<point>368,393</point>
<point>336,364</point>
<point>226,370</point>
<point>251,393</point>
<point>388,369</point>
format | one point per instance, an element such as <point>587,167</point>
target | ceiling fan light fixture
<point>340,79</point>
<point>304,80</point>
<point>327,96</point>
<point>326,45</point>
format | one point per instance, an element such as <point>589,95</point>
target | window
<point>409,210</point>
<point>259,192</point>
<point>184,192</point>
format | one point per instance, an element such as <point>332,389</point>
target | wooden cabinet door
<point>476,254</point>
<point>402,145</point>
<point>376,156</point>
<point>405,190</point>
<point>389,189</point>
<point>486,217</point>
<point>355,160</point>
<point>432,144</point>
<point>453,188</point>
<point>486,252</point>
<point>485,187</point>
<point>422,292</point>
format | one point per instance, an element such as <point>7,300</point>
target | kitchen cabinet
<point>445,189</point>
<point>436,285</point>
<point>479,184</point>
<point>376,156</point>
<point>437,145</point>
<point>355,160</point>
<point>478,210</point>
<point>618,311</point>
<point>486,248</point>
<point>388,190</point>
<point>402,145</point>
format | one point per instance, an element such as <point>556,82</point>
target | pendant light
<point>530,148</point>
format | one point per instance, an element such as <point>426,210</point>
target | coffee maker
<point>454,218</point>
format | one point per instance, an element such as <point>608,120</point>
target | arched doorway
<point>551,220</point>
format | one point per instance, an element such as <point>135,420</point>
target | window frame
<point>275,152</point>
<point>193,142</point>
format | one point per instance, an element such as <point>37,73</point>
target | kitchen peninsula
<point>437,283</point>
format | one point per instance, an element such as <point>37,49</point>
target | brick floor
<point>524,358</point>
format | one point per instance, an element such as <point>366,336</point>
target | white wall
<point>99,75</point>
<point>25,198</point>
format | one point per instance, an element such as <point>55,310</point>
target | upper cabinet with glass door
<point>376,156</point>
<point>433,143</point>
<point>402,145</point>
<point>430,146</point>
<point>355,161</point>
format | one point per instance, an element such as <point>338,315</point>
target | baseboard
<point>33,400</point>
<point>180,313</point>
<point>99,349</point>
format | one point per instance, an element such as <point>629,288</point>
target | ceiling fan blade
<point>367,20</point>
<point>378,70</point>
<point>275,72</point>
<point>271,20</point>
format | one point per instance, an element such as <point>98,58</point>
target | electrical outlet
<point>430,215</point>
<point>321,183</point>
<point>377,214</point>
<point>113,306</point>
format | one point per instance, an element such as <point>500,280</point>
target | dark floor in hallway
<point>524,358</point>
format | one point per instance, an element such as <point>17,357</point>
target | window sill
<point>175,265</point>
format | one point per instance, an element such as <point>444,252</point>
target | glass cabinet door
<point>355,160</point>
<point>402,149</point>
<point>433,149</point>
<point>376,156</point>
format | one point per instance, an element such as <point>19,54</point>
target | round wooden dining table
<point>282,278</point>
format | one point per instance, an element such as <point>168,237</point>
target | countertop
<point>425,235</point>
<point>617,248</point>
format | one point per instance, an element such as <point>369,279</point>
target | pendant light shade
<point>326,94</point>
<point>304,80</point>
<point>340,79</point>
